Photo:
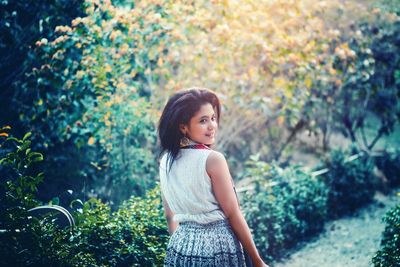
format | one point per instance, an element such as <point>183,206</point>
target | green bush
<point>19,180</point>
<point>288,205</point>
<point>309,198</point>
<point>389,253</point>
<point>134,235</point>
<point>25,241</point>
<point>389,164</point>
<point>351,184</point>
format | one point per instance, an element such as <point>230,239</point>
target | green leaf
<point>15,140</point>
<point>75,201</point>
<point>55,201</point>
<point>26,136</point>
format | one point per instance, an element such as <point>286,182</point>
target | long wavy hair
<point>180,108</point>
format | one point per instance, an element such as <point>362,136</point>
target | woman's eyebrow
<point>206,116</point>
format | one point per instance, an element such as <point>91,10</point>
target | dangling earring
<point>184,141</point>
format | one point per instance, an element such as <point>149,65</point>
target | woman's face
<point>202,126</point>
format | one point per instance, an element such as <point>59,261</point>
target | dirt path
<point>350,241</point>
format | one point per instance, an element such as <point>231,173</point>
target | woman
<point>204,219</point>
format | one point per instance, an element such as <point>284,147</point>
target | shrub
<point>389,253</point>
<point>287,206</point>
<point>25,241</point>
<point>351,184</point>
<point>389,164</point>
<point>134,235</point>
<point>309,198</point>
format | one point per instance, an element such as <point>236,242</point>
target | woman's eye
<point>203,121</point>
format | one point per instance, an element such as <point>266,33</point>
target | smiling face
<point>203,126</point>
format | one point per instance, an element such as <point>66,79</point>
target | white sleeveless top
<point>187,187</point>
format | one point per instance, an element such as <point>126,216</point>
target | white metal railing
<point>57,208</point>
<point>313,174</point>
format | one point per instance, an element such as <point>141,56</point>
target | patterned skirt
<point>197,245</point>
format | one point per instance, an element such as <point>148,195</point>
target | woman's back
<point>199,200</point>
<point>187,187</point>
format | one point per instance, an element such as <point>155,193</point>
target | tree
<point>88,101</point>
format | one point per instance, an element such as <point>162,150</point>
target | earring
<point>184,141</point>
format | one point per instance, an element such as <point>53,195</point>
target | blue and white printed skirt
<point>197,245</point>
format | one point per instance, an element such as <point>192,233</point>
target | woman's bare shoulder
<point>215,156</point>
<point>215,161</point>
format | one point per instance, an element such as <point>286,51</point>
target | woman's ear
<point>183,128</point>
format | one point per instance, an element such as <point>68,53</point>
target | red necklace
<point>195,146</point>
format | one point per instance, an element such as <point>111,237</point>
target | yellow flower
<point>79,74</point>
<point>121,86</point>
<point>308,82</point>
<point>91,140</point>
<point>133,73</point>
<point>76,21</point>
<point>63,29</point>
<point>124,48</point>
<point>280,120</point>
<point>160,62</point>
<point>114,34</point>
<point>118,99</point>
<point>68,84</point>
<point>108,68</point>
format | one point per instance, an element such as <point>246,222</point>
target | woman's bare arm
<point>221,180</point>
<point>169,215</point>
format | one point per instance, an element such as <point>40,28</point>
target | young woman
<point>204,219</point>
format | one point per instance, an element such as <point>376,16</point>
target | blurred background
<point>302,83</point>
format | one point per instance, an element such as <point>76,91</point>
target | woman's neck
<point>194,145</point>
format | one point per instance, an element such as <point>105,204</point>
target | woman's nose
<point>212,125</point>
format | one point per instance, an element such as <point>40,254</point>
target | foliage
<point>19,179</point>
<point>26,240</point>
<point>389,253</point>
<point>389,5</point>
<point>256,50</point>
<point>281,67</point>
<point>288,205</point>
<point>134,235</point>
<point>91,88</point>
<point>356,79</point>
<point>389,164</point>
<point>22,23</point>
<point>351,184</point>
<point>88,102</point>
